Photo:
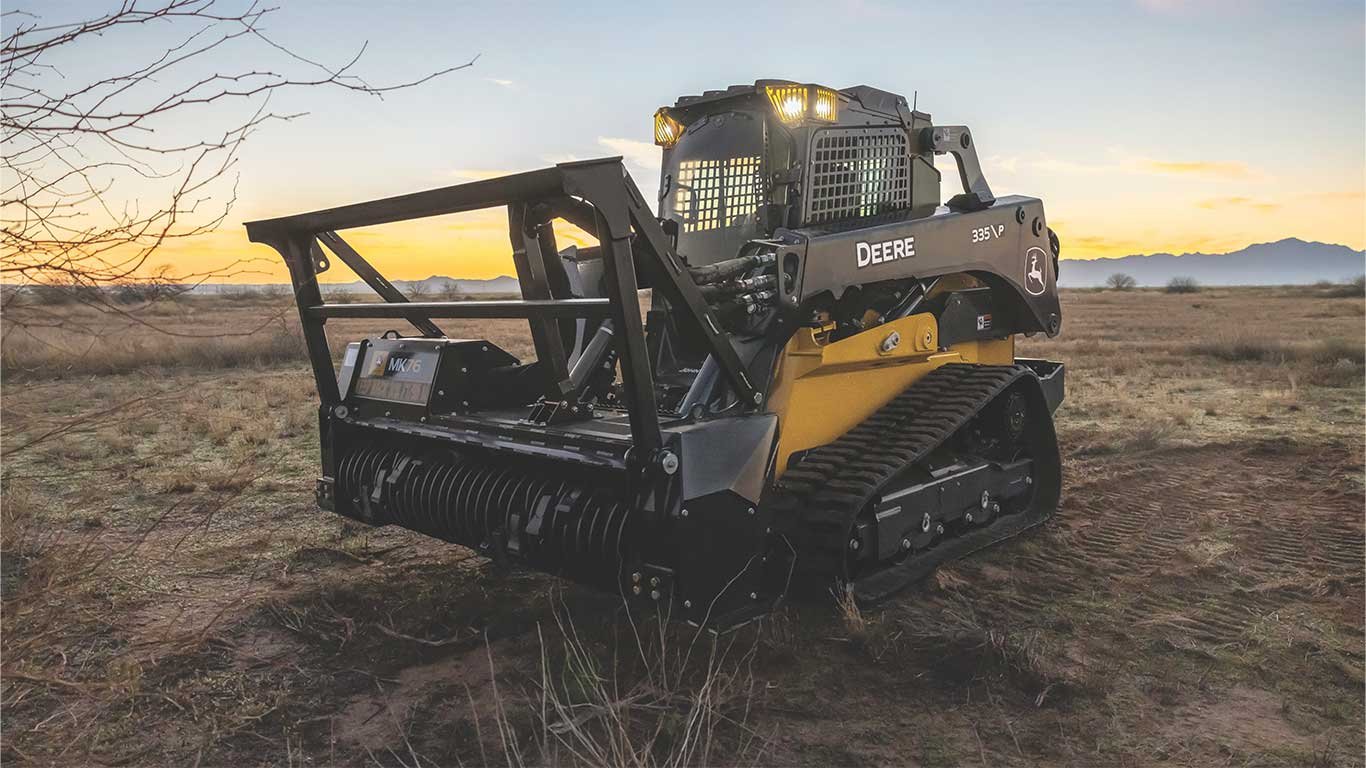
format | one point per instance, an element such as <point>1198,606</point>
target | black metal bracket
<point>957,141</point>
<point>377,282</point>
<point>534,254</point>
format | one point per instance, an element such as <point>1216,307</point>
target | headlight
<point>667,129</point>
<point>789,101</point>
<point>826,108</point>
<point>796,104</point>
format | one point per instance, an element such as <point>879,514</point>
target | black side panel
<point>971,315</point>
<point>1051,377</point>
<point>1006,245</point>
<point>727,455</point>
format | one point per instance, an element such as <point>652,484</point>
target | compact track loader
<point>824,385</point>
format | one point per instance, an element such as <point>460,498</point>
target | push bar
<point>530,308</point>
<point>594,194</point>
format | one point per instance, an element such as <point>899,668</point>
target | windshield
<point>714,184</point>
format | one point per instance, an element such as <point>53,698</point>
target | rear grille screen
<point>858,172</point>
<point>716,193</point>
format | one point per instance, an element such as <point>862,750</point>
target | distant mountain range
<point>437,286</point>
<point>1285,262</point>
<point>434,287</point>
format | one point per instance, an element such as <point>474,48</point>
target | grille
<point>858,172</point>
<point>717,193</point>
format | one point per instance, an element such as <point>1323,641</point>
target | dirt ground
<point>171,596</point>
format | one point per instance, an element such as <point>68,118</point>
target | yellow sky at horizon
<point>475,246</point>
<point>1109,203</point>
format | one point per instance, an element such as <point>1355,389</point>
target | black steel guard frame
<point>597,196</point>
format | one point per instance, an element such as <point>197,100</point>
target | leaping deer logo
<point>1036,282</point>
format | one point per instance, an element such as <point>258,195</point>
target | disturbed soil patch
<point>1210,587</point>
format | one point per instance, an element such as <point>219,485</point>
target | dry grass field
<point>171,597</point>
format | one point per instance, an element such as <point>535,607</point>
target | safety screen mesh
<point>717,193</point>
<point>858,172</point>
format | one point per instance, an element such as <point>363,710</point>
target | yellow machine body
<point>824,389</point>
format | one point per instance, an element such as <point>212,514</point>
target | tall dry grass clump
<point>1328,362</point>
<point>27,356</point>
<point>661,696</point>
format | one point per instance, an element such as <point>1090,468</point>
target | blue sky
<point>1152,125</point>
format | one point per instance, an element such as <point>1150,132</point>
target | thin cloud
<point>568,157</point>
<point>501,82</point>
<point>1216,203</point>
<point>873,10</point>
<point>1004,164</point>
<point>643,161</point>
<point>1200,168</point>
<point>1058,165</point>
<point>1326,197</point>
<point>639,153</point>
<point>1144,166</point>
<point>1092,245</point>
<point>1171,7</point>
<point>477,174</point>
<point>1164,6</point>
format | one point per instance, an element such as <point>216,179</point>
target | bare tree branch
<point>96,175</point>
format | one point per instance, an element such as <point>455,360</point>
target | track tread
<point>833,483</point>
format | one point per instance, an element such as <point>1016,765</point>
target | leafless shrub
<point>268,293</point>
<point>340,296</point>
<point>1183,285</point>
<point>243,293</point>
<point>156,288</point>
<point>1120,282</point>
<point>56,294</point>
<point>1351,289</point>
<point>452,292</point>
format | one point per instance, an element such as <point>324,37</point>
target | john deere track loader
<point>824,385</point>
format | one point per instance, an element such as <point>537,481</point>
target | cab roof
<point>868,96</point>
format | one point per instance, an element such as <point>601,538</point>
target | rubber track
<point>835,482</point>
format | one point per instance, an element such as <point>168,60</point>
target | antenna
<point>915,99</point>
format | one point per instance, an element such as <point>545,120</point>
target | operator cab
<point>742,163</point>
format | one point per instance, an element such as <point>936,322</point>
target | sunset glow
<point>1145,127</point>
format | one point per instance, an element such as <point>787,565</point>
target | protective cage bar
<point>595,195</point>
